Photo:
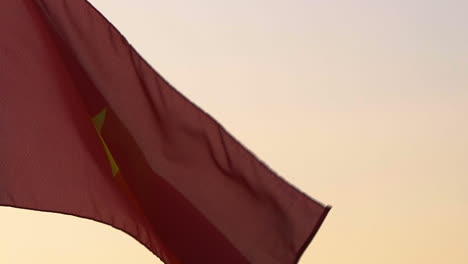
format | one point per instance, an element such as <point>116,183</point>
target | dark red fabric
<point>186,189</point>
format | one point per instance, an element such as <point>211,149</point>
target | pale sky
<point>361,104</point>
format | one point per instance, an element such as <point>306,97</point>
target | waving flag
<point>88,128</point>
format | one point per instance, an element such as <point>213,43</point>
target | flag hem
<point>312,234</point>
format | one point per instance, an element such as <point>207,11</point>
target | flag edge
<point>312,233</point>
<point>243,146</point>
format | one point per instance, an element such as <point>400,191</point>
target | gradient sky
<point>361,104</point>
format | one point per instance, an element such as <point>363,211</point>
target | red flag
<point>88,128</point>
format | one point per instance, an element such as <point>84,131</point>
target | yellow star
<point>98,122</point>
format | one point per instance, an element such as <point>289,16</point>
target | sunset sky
<point>361,104</point>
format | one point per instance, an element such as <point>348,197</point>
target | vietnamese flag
<point>88,128</point>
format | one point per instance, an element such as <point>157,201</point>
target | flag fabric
<point>88,128</point>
